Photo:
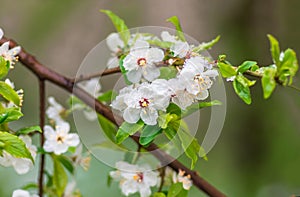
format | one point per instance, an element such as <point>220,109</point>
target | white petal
<point>10,83</point>
<point>72,139</point>
<point>155,55</point>
<point>1,33</point>
<point>180,49</point>
<point>90,114</point>
<point>22,165</point>
<point>144,190</point>
<point>150,178</point>
<point>20,193</point>
<point>60,148</point>
<point>6,159</point>
<point>4,48</point>
<point>167,37</point>
<point>14,51</point>
<point>150,72</point>
<point>113,62</point>
<point>140,44</point>
<point>149,116</point>
<point>134,76</point>
<point>49,133</point>
<point>131,115</point>
<point>130,62</point>
<point>49,146</point>
<point>129,187</point>
<point>211,73</point>
<point>202,95</point>
<point>62,128</point>
<point>195,63</point>
<point>114,42</point>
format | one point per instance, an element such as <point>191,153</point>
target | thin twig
<point>43,72</point>
<point>107,71</point>
<point>42,138</point>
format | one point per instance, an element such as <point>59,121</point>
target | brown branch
<point>42,137</point>
<point>107,71</point>
<point>45,73</point>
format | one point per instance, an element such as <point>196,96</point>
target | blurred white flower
<point>20,93</point>
<point>92,87</point>
<point>134,178</point>
<point>55,110</point>
<point>179,48</point>
<point>79,159</point>
<point>60,140</point>
<point>1,33</point>
<point>9,54</point>
<point>21,165</point>
<point>119,103</point>
<point>181,178</point>
<point>23,193</point>
<point>140,62</point>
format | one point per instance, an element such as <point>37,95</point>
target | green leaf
<point>27,130</point>
<point>246,66</point>
<point>289,66</point>
<point>164,119</point>
<point>175,189</point>
<point>119,25</point>
<point>226,70</point>
<point>159,194</point>
<point>148,134</point>
<point>175,21</point>
<point>109,128</point>
<point>189,144</point>
<point>123,70</point>
<point>206,45</point>
<point>127,129</point>
<point>107,96</point>
<point>15,146</point>
<point>196,106</point>
<point>108,181</point>
<point>174,109</point>
<point>275,50</point>
<point>29,186</point>
<point>8,93</point>
<point>10,114</point>
<point>159,43</point>
<point>60,178</point>
<point>202,153</point>
<point>4,67</point>
<point>66,162</point>
<point>242,89</point>
<point>167,73</point>
<point>268,82</point>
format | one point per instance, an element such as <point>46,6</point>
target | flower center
<point>138,177</point>
<point>203,82</point>
<point>144,102</point>
<point>142,61</point>
<point>60,139</point>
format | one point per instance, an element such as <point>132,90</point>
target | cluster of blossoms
<point>149,94</point>
<point>135,178</point>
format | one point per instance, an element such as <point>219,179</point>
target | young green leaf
<point>175,21</point>
<point>60,178</point>
<point>164,119</point>
<point>196,106</point>
<point>246,66</point>
<point>8,93</point>
<point>148,134</point>
<point>175,189</point>
<point>4,67</point>
<point>159,194</point>
<point>242,89</point>
<point>127,129</point>
<point>119,25</point>
<point>174,109</point>
<point>159,43</point>
<point>14,146</point>
<point>275,50</point>
<point>107,96</point>
<point>206,45</point>
<point>27,130</point>
<point>226,70</point>
<point>167,72</point>
<point>10,114</point>
<point>268,82</point>
<point>109,128</point>
<point>289,66</point>
<point>66,162</point>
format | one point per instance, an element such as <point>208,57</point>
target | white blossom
<point>59,140</point>
<point>79,159</point>
<point>92,87</point>
<point>1,33</point>
<point>179,48</point>
<point>21,165</point>
<point>143,103</point>
<point>9,54</point>
<point>134,178</point>
<point>23,193</point>
<point>140,62</point>
<point>181,178</point>
<point>55,110</point>
<point>20,93</point>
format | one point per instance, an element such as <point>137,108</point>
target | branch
<point>94,75</point>
<point>45,73</point>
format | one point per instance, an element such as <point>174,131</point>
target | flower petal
<point>135,75</point>
<point>72,139</point>
<point>149,116</point>
<point>150,72</point>
<point>114,42</point>
<point>131,115</point>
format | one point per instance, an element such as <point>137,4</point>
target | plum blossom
<point>23,193</point>
<point>140,62</point>
<point>181,178</point>
<point>134,178</point>
<point>59,140</point>
<point>79,159</point>
<point>116,45</point>
<point>142,102</point>
<point>92,87</point>
<point>21,165</point>
<point>179,48</point>
<point>55,111</point>
<point>9,54</point>
<point>20,93</point>
<point>197,77</point>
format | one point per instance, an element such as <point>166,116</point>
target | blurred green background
<point>258,151</point>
